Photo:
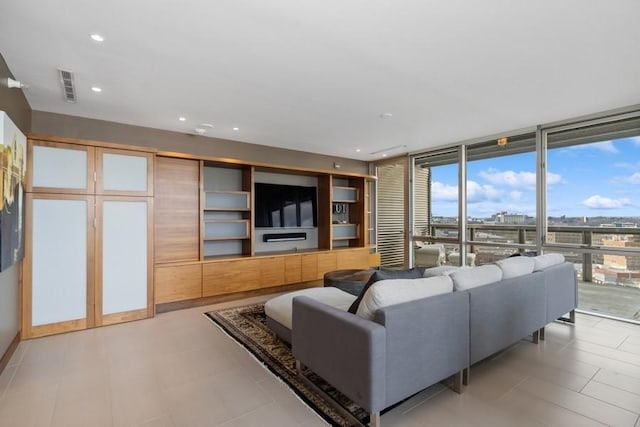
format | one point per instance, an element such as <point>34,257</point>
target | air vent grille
<point>66,78</point>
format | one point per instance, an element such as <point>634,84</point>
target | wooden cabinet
<point>178,283</point>
<point>61,168</point>
<point>124,172</point>
<point>89,237</point>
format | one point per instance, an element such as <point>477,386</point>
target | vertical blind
<point>391,213</point>
<point>421,201</point>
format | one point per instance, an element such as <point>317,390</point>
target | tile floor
<point>180,370</point>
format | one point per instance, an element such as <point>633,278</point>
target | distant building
<point>510,218</point>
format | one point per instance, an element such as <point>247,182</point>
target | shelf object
<point>226,220</point>
<point>347,212</point>
<point>238,201</point>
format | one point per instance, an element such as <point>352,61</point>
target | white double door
<point>88,258</point>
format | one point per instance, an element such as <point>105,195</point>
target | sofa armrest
<point>344,349</point>
<point>427,341</point>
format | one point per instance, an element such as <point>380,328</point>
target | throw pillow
<point>384,274</point>
<point>467,278</point>
<point>544,261</point>
<point>396,291</point>
<point>516,266</point>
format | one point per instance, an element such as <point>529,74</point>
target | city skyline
<point>597,179</point>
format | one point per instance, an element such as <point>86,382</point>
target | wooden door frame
<point>108,319</point>
<point>28,330</point>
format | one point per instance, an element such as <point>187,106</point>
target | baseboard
<point>4,361</point>
<point>198,302</point>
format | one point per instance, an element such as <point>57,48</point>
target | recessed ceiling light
<point>97,37</point>
<point>96,89</point>
<point>206,125</point>
<point>386,115</point>
<point>236,128</point>
<point>357,150</point>
<point>182,118</point>
<point>384,155</point>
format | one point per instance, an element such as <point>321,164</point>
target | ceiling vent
<point>66,78</point>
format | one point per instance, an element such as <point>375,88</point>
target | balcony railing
<point>582,245</point>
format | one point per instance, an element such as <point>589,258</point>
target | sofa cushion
<point>395,291</point>
<point>516,266</point>
<point>382,274</point>
<point>547,260</point>
<point>280,308</point>
<point>467,278</point>
<point>443,270</point>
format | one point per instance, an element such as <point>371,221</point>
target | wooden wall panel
<point>177,210</point>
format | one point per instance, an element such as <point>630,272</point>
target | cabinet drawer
<point>309,267</point>
<point>271,271</point>
<point>227,277</point>
<point>292,269</point>
<point>178,283</point>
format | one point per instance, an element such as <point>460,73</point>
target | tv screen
<point>279,205</point>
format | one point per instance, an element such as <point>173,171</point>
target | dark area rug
<point>247,326</point>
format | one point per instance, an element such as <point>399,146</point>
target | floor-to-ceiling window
<point>572,188</point>
<point>435,207</point>
<point>501,198</point>
<point>593,210</point>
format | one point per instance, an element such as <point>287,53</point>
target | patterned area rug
<point>247,326</point>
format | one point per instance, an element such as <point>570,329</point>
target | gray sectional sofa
<point>382,361</point>
<point>405,347</point>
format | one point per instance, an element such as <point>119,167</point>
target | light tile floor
<point>179,370</point>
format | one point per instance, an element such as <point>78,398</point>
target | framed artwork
<point>13,162</point>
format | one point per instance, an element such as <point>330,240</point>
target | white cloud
<point>635,140</point>
<point>444,192</point>
<point>635,178</point>
<point>606,146</point>
<point>522,179</point>
<point>516,195</point>
<point>599,202</point>
<point>475,192</point>
<point>478,193</point>
<point>510,178</point>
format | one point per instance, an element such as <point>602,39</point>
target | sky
<point>598,179</point>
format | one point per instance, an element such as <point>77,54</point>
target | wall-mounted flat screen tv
<point>278,205</point>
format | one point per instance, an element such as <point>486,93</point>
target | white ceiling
<point>316,75</point>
